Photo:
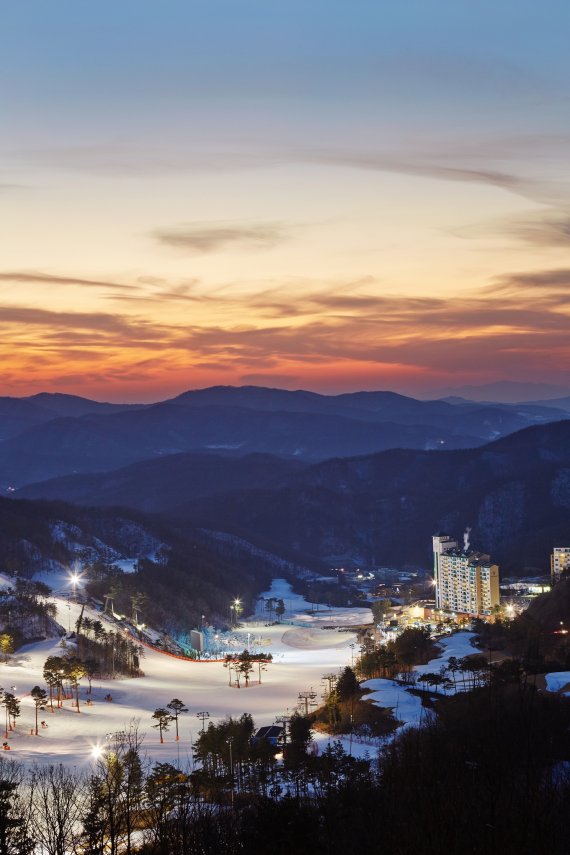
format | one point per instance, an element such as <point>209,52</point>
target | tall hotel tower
<point>465,581</point>
<point>559,562</point>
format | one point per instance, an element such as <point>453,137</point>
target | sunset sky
<point>325,195</point>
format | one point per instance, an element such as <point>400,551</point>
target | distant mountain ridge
<point>48,436</point>
<point>19,414</point>
<point>164,485</point>
<point>505,392</point>
<point>73,405</point>
<point>382,508</point>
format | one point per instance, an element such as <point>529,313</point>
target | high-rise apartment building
<point>466,582</point>
<point>559,561</point>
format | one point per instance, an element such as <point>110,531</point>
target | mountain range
<point>46,436</point>
<point>513,493</point>
<point>506,391</point>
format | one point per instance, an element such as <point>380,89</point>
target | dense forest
<point>182,572</point>
<point>489,775</point>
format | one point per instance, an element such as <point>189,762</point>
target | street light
<point>74,579</point>
<point>97,752</point>
<point>203,716</point>
<point>230,741</point>
<point>236,607</point>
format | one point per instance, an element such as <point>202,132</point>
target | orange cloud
<point>328,336</point>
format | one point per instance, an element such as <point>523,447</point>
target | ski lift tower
<point>307,699</point>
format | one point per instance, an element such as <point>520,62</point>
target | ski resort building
<point>559,562</point>
<point>466,582</point>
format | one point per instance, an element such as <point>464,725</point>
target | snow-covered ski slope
<point>301,656</point>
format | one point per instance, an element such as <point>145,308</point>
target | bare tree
<point>15,834</point>
<point>114,799</point>
<point>58,798</point>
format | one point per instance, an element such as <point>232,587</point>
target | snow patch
<point>311,639</point>
<point>557,680</point>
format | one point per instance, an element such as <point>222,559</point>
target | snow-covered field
<point>301,656</point>
<point>408,708</point>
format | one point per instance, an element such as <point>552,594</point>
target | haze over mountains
<point>506,391</point>
<point>47,436</point>
<point>379,508</point>
<point>166,485</point>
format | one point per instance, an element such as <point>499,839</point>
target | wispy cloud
<point>204,238</point>
<point>85,328</point>
<point>552,283</point>
<point>515,326</point>
<point>549,229</point>
<point>463,162</point>
<point>502,329</point>
<point>32,277</point>
<point>421,165</point>
<point>154,292</point>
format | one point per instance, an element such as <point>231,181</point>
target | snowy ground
<point>558,680</point>
<point>459,645</point>
<point>296,608</point>
<point>300,661</point>
<point>407,707</point>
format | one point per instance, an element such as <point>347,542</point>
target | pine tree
<point>347,685</point>
<point>163,719</point>
<point>74,670</point>
<point>39,697</point>
<point>177,708</point>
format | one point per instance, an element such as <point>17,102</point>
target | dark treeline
<point>25,613</point>
<point>539,637</point>
<point>191,572</point>
<point>108,653</point>
<point>412,647</point>
<point>490,775</point>
<point>188,579</point>
<point>346,710</point>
